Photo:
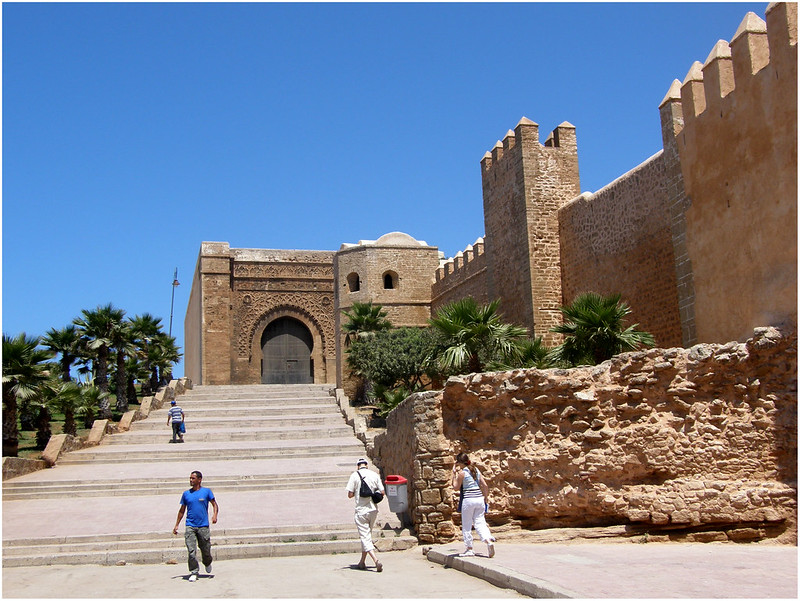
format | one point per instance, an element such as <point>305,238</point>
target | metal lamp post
<point>175,283</point>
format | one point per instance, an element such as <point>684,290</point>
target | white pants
<point>472,510</point>
<point>365,522</point>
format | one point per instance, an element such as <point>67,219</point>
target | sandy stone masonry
<point>692,444</point>
<point>700,438</point>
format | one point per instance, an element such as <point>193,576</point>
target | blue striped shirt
<point>175,414</point>
<point>470,487</point>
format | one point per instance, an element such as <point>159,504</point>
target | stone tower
<point>524,185</point>
<point>395,271</point>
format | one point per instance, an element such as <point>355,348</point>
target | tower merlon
<point>718,73</point>
<point>671,111</point>
<point>673,94</point>
<point>486,161</point>
<point>782,34</point>
<point>693,96</point>
<point>527,130</point>
<point>497,151</point>
<point>509,140</point>
<point>749,48</point>
<point>563,136</point>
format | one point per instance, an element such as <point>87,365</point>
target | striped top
<point>469,486</point>
<point>175,414</point>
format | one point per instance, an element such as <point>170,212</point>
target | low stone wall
<point>688,444</point>
<point>701,439</point>
<point>17,466</point>
<point>413,447</point>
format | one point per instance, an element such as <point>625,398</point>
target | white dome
<point>398,239</point>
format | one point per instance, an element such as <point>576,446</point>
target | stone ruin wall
<point>738,153</point>
<point>413,447</point>
<point>620,240</point>
<point>695,444</point>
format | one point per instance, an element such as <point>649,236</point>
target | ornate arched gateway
<point>289,345</point>
<point>286,348</point>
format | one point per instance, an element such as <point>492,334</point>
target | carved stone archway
<point>317,336</point>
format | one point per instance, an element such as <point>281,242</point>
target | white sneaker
<point>490,546</point>
<point>467,553</point>
<point>193,578</point>
<point>208,569</point>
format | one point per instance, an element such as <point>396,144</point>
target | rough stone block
<point>127,419</point>
<point>97,432</point>
<point>145,407</point>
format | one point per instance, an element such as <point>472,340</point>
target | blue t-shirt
<point>196,502</point>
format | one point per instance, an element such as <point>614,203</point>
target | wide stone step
<point>222,417</point>
<point>260,388</point>
<point>259,393</point>
<point>160,547</point>
<point>107,488</point>
<point>166,540</point>
<point>250,402</point>
<point>221,452</point>
<point>198,434</point>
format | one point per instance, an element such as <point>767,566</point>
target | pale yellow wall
<point>738,152</point>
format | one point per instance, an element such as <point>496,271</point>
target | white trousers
<point>365,522</point>
<point>472,511</point>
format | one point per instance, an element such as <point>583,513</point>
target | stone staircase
<point>276,457</point>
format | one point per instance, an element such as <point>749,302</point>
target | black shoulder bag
<point>366,491</point>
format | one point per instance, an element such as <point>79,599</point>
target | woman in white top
<point>474,492</point>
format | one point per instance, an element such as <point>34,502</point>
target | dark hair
<point>198,474</point>
<point>463,459</point>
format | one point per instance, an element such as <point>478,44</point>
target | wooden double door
<point>286,345</point>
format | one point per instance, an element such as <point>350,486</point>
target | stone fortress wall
<point>738,150</point>
<point>708,220</point>
<point>692,443</point>
<point>619,240</point>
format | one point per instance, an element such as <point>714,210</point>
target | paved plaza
<point>286,530</point>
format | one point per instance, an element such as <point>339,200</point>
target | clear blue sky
<point>133,132</point>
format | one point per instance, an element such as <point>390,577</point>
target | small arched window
<point>389,280</point>
<point>353,282</point>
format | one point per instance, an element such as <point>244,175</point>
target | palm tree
<point>24,372</point>
<point>97,327</point>
<point>594,330</point>
<point>474,334</point>
<point>64,397</point>
<point>164,353</point>
<point>92,399</point>
<point>532,353</point>
<point>122,344</point>
<point>135,371</point>
<point>364,319</point>
<point>145,329</point>
<point>66,342</point>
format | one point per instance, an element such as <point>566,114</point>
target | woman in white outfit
<point>474,492</point>
<point>366,511</point>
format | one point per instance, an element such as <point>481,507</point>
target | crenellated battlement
<point>463,260</point>
<point>526,133</point>
<point>732,67</point>
<point>732,124</point>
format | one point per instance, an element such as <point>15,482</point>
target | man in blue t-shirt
<point>197,533</point>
